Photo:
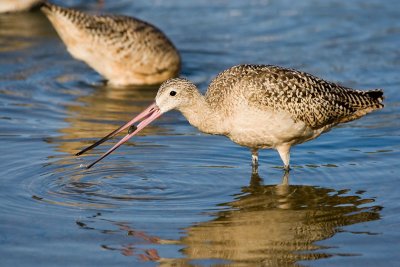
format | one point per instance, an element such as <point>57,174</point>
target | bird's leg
<point>254,157</point>
<point>254,160</point>
<point>284,153</point>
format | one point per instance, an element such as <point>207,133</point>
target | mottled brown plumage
<point>260,106</point>
<point>316,102</point>
<point>123,49</point>
<point>17,5</point>
<point>264,106</point>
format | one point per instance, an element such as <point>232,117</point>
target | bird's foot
<point>286,168</point>
<point>254,161</point>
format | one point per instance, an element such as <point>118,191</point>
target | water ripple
<point>172,196</point>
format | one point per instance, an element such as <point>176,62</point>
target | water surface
<point>173,196</point>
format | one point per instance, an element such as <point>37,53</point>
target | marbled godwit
<point>17,5</point>
<point>258,106</point>
<point>124,50</point>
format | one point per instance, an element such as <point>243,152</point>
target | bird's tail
<point>43,3</point>
<point>48,7</point>
<point>37,5</point>
<point>364,102</point>
<point>62,18</point>
<point>376,98</point>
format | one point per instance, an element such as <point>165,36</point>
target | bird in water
<point>17,5</point>
<point>124,50</point>
<point>259,107</point>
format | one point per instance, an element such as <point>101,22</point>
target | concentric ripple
<point>173,196</point>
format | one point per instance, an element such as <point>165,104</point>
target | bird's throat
<point>200,115</point>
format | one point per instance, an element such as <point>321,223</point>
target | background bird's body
<point>17,5</point>
<point>123,49</point>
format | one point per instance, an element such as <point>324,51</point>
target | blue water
<point>177,197</point>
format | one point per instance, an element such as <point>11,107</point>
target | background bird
<point>17,5</point>
<point>258,106</point>
<point>125,50</point>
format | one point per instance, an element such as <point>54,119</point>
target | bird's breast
<point>268,129</point>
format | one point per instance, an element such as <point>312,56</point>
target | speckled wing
<point>316,102</point>
<point>128,35</point>
<point>127,39</point>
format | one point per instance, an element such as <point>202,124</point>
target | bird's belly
<point>268,129</point>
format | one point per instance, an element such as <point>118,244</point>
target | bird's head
<point>175,93</point>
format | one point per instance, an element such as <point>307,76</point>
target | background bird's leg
<point>254,160</point>
<point>284,153</point>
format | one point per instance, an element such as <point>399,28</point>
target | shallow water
<point>174,196</point>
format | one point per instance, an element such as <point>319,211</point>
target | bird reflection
<point>21,30</point>
<point>272,224</point>
<point>96,114</point>
<point>277,225</point>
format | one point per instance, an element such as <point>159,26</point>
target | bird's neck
<point>201,115</point>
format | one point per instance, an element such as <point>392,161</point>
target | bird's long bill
<point>147,116</point>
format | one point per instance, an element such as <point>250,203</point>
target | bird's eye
<point>172,93</point>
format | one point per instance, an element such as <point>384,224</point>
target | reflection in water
<point>95,115</point>
<point>90,116</point>
<point>272,224</point>
<point>275,225</point>
<point>18,30</point>
<point>127,249</point>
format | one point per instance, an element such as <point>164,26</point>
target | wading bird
<point>258,106</point>
<point>124,50</point>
